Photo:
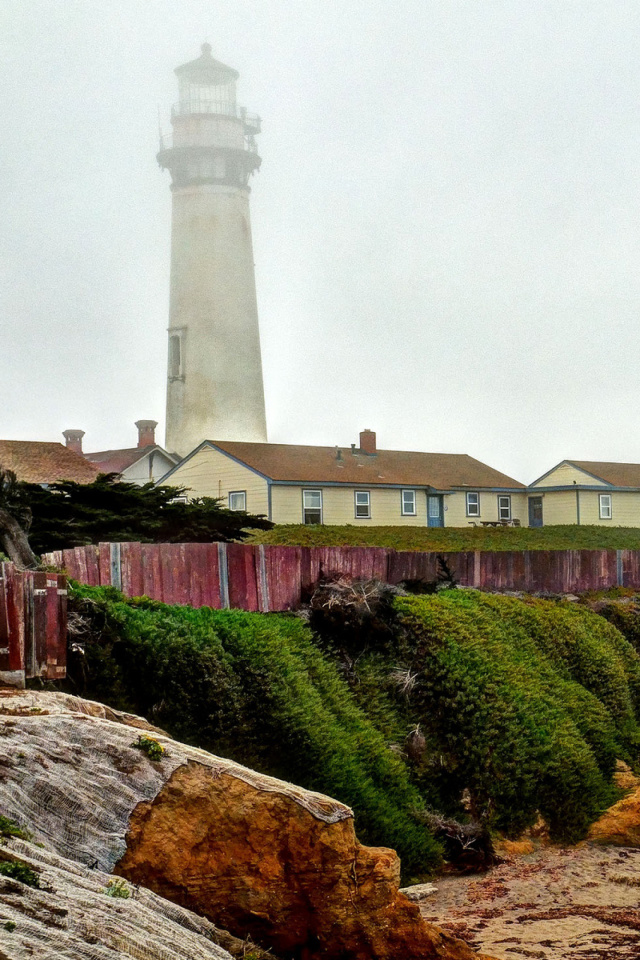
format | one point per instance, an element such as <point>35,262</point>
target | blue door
<point>535,511</point>
<point>435,510</point>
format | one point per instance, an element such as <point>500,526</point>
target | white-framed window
<point>473,504</point>
<point>408,503</point>
<point>362,504</point>
<point>176,354</point>
<point>504,507</point>
<point>312,506</point>
<point>605,506</point>
<point>238,500</point>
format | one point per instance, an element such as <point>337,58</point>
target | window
<point>312,506</point>
<point>175,356</point>
<point>605,506</point>
<point>504,508</point>
<point>408,503</point>
<point>473,504</point>
<point>363,504</point>
<point>238,500</point>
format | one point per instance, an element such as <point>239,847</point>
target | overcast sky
<point>446,224</point>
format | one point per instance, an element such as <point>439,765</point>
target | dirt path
<point>582,903</point>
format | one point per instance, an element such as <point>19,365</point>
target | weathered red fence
<point>274,578</point>
<point>33,625</point>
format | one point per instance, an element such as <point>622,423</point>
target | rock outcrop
<point>73,915</point>
<point>252,854</point>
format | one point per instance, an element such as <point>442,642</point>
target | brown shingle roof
<point>292,462</point>
<point>618,474</point>
<point>38,462</point>
<point>115,461</point>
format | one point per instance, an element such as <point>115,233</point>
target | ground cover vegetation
<point>453,539</point>
<point>411,709</point>
<point>36,519</point>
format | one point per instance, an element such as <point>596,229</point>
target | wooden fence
<point>270,578</point>
<point>33,625</point>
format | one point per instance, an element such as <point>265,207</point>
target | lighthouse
<point>214,373</point>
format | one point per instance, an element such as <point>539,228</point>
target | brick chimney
<point>368,442</point>
<point>146,432</point>
<point>73,440</point>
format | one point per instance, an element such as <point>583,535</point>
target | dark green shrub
<point>153,749</point>
<point>257,689</point>
<point>17,870</point>
<point>529,704</point>
<point>9,828</point>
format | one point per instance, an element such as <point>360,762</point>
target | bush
<point>257,689</point>
<point>17,870</point>
<point>484,708</point>
<point>529,704</point>
<point>153,749</point>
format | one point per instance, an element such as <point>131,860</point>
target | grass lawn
<point>454,539</point>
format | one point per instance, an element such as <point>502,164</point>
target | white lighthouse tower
<point>214,377</point>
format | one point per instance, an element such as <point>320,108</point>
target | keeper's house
<point>586,492</point>
<point>357,485</point>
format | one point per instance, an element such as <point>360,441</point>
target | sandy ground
<point>582,902</point>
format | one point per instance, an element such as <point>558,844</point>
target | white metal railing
<point>223,108</point>
<point>167,142</point>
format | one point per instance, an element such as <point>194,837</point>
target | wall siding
<point>567,474</point>
<point>212,474</point>
<point>456,508</point>
<point>339,506</point>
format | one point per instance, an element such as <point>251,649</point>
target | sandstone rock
<point>620,824</point>
<point>252,854</point>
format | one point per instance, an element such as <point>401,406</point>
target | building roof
<point>207,70</point>
<point>38,462</point>
<point>115,461</point>
<point>617,474</point>
<point>305,464</point>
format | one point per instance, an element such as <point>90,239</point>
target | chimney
<point>73,440</point>
<point>146,432</point>
<point>368,442</point>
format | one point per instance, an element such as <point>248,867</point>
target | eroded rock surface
<point>253,854</point>
<point>72,916</point>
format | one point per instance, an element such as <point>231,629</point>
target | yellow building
<point>586,492</point>
<point>358,485</point>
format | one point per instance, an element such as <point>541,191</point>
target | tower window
<point>175,356</point>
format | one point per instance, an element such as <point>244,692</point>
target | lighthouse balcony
<point>196,140</point>
<point>223,108</point>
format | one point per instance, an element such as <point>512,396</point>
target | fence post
<point>263,582</point>
<point>477,569</point>
<point>619,568</point>
<point>223,572</point>
<point>115,565</point>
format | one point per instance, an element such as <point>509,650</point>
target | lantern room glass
<point>199,97</point>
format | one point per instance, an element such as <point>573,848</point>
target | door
<point>535,511</point>
<point>435,510</point>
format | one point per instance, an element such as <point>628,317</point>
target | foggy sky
<point>446,224</point>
